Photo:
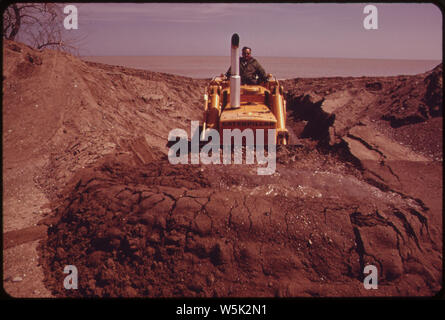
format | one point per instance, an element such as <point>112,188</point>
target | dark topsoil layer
<point>179,231</point>
<point>361,183</point>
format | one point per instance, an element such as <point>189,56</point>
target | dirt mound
<point>407,109</point>
<point>180,231</point>
<point>61,114</point>
<point>360,184</point>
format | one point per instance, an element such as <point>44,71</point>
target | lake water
<point>282,68</point>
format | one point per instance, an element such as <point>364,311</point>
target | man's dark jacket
<point>248,70</point>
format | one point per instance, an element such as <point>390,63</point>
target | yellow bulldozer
<point>230,105</point>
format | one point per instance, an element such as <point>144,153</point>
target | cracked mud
<point>166,231</point>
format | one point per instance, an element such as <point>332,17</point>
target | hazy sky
<point>405,31</point>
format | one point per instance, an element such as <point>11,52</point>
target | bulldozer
<point>230,105</point>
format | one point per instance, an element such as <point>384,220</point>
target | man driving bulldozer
<point>251,71</point>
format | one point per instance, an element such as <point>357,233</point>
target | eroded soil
<point>87,182</point>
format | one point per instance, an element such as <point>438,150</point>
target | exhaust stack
<point>235,80</point>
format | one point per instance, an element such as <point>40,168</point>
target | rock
<point>131,292</point>
<point>115,233</point>
<point>203,224</point>
<point>61,253</point>
<point>96,258</point>
<point>374,86</point>
<point>152,97</point>
<point>220,254</point>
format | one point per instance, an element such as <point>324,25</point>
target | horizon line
<point>228,56</point>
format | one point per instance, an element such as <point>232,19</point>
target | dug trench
<point>350,190</point>
<point>309,230</point>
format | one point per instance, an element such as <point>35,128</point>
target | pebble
<point>210,279</point>
<point>17,279</point>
